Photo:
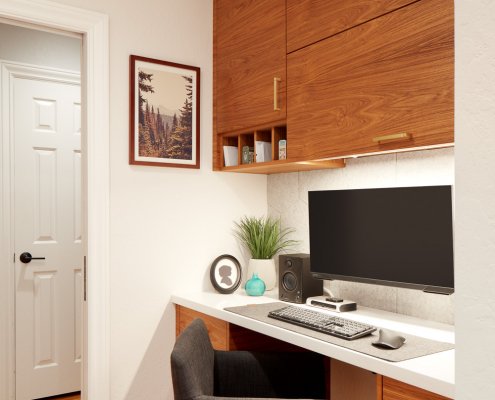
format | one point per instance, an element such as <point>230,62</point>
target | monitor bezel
<point>398,284</point>
<point>416,286</point>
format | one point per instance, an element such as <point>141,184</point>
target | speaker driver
<point>289,281</point>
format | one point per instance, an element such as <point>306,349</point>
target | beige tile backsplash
<point>288,198</point>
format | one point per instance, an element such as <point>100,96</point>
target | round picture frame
<point>225,274</point>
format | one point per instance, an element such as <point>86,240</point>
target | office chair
<point>201,373</point>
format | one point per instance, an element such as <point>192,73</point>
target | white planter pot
<point>265,270</point>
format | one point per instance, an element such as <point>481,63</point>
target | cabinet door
<point>249,52</point>
<point>348,382</point>
<point>217,329</point>
<point>311,20</point>
<point>391,75</point>
<point>395,390</point>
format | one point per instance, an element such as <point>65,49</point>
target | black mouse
<point>389,340</point>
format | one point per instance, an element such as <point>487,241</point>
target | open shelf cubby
<point>272,135</point>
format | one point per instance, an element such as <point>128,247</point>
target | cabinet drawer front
<point>395,390</point>
<point>349,382</point>
<point>390,75</point>
<point>249,52</point>
<point>309,21</point>
<point>217,329</point>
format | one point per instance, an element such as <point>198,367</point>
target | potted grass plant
<point>264,238</point>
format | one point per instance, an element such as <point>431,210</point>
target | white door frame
<point>96,188</point>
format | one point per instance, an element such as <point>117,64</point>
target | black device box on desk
<point>296,283</point>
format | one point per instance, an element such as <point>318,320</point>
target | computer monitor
<point>390,236</point>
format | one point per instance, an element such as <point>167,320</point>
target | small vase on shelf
<point>255,286</point>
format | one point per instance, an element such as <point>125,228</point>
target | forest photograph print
<point>164,113</point>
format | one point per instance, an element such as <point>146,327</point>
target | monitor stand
<point>332,303</point>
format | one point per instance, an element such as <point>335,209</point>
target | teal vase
<point>255,286</point>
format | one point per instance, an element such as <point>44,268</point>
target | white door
<point>47,221</point>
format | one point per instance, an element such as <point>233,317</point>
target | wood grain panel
<point>379,387</point>
<point>283,166</point>
<point>249,51</point>
<point>217,329</point>
<point>217,140</point>
<point>392,74</point>
<point>396,390</point>
<point>278,133</point>
<point>351,383</point>
<point>309,21</point>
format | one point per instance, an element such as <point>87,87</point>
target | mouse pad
<point>414,346</point>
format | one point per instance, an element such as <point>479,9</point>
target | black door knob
<point>27,257</point>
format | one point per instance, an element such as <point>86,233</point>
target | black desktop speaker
<point>295,283</point>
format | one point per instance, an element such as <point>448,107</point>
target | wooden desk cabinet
<point>346,381</point>
<point>225,336</point>
<point>396,390</point>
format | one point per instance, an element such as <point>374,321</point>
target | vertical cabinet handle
<point>275,94</point>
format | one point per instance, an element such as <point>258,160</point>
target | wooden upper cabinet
<point>392,75</point>
<point>309,21</point>
<point>249,53</point>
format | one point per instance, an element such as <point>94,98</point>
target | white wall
<point>475,200</point>
<point>40,48</point>
<point>288,197</point>
<point>167,224</point>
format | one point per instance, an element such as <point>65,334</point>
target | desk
<point>433,373</point>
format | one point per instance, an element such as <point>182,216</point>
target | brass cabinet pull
<point>275,94</point>
<point>393,136</point>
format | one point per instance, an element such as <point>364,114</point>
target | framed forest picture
<point>164,113</point>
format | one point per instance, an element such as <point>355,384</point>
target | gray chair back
<point>192,362</point>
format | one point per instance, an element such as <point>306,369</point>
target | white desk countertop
<point>433,372</point>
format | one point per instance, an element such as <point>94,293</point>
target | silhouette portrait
<point>225,272</point>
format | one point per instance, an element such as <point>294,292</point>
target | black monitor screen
<point>392,236</point>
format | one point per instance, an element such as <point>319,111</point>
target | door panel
<point>249,52</point>
<point>47,220</point>
<point>396,390</point>
<point>389,76</point>
<point>309,21</point>
<point>44,319</point>
<point>45,209</point>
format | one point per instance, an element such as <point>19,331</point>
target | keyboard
<point>324,323</point>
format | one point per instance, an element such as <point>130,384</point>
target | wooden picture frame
<point>164,115</point>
